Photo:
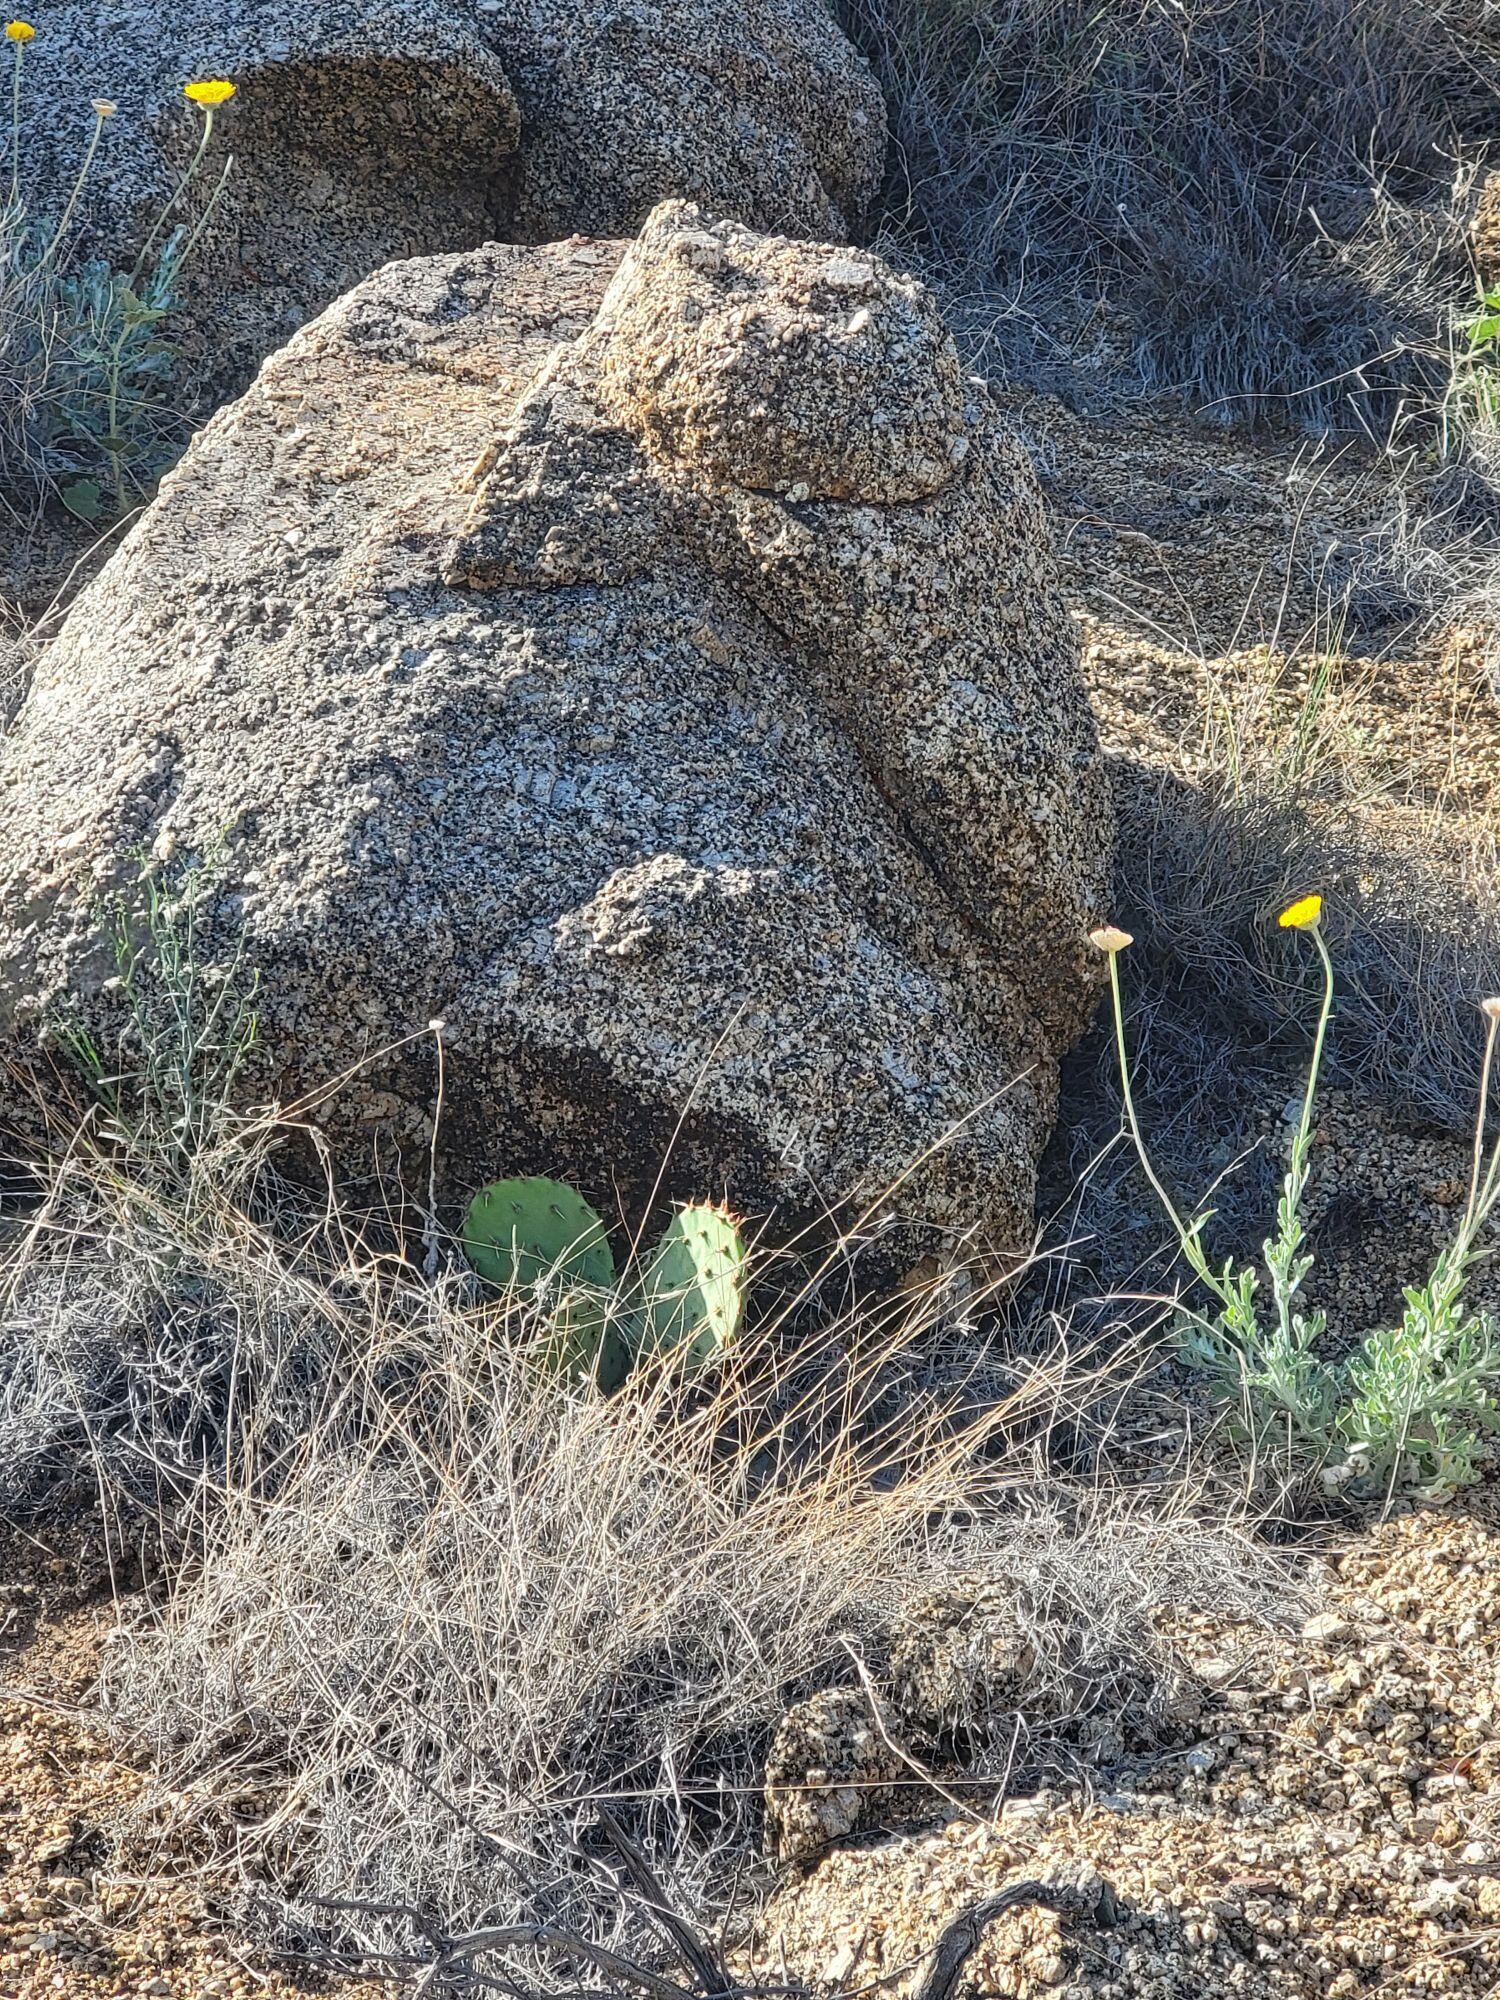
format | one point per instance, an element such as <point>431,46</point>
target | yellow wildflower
<point>1110,938</point>
<point>217,90</point>
<point>19,31</point>
<point>1303,915</point>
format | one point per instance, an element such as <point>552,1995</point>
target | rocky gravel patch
<point>1333,1831</point>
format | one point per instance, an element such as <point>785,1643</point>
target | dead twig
<point>961,1939</point>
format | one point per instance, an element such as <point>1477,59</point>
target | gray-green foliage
<point>86,356</point>
<point>681,1302</point>
<point>1410,1407</point>
<point>167,1077</point>
<point>84,353</point>
<point>1419,1396</point>
<point>1472,402</point>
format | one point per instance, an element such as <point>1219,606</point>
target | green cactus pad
<point>584,1341</point>
<point>523,1233</point>
<point>691,1290</point>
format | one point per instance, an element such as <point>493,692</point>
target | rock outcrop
<point>657,673</point>
<point>365,130</point>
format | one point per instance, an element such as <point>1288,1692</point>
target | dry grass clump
<point>1417,929</point>
<point>137,1346</point>
<point>1289,791</point>
<point>426,1614</point>
<point>480,1612</point>
<point>483,1609</point>
<point>1263,189</point>
<point>1048,1654</point>
<point>1434,553</point>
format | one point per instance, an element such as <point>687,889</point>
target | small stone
<point>1326,1629</point>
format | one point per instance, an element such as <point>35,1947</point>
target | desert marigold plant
<point>1411,1407</point>
<point>86,362</point>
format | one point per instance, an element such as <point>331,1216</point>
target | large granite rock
<point>364,130</point>
<point>658,673</point>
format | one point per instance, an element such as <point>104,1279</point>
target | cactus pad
<point>584,1341</point>
<point>690,1294</point>
<point>523,1233</point>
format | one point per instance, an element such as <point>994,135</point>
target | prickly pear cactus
<point>585,1340</point>
<point>690,1293</point>
<point>523,1233</point>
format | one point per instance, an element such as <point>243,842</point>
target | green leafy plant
<point>681,1303</point>
<point>1410,1407</point>
<point>86,357</point>
<point>1472,400</point>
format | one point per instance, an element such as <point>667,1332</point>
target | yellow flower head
<point>104,108</point>
<point>218,90</point>
<point>1303,915</point>
<point>1110,938</point>
<point>19,31</point>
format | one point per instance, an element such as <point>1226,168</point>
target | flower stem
<point>15,128</point>
<point>1187,1238</point>
<point>177,193</point>
<point>82,175</point>
<point>1471,1210</point>
<point>1305,1123</point>
<point>1281,1256</point>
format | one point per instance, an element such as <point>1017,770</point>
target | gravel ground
<point>1335,1831</point>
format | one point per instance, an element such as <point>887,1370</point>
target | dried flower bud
<point>1110,938</point>
<point>1490,1007</point>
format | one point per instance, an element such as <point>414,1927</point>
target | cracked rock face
<point>529,655</point>
<point>364,130</point>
